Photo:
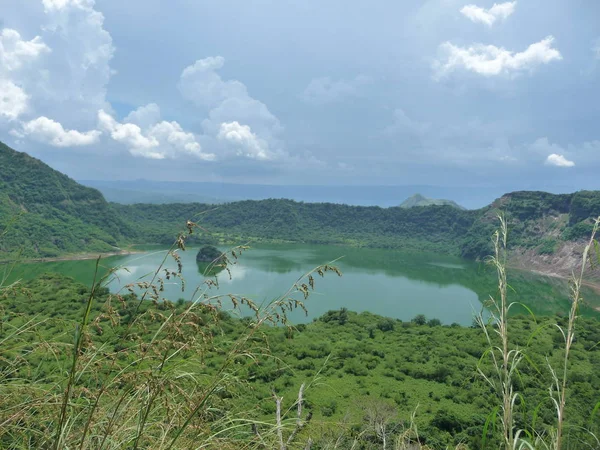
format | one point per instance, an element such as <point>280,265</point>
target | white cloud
<point>174,140</point>
<point>50,132</point>
<point>62,73</point>
<point>16,55</point>
<point>162,140</point>
<point>325,90</point>
<point>499,11</point>
<point>130,135</point>
<point>228,102</point>
<point>558,161</point>
<point>70,86</point>
<point>13,100</point>
<point>54,5</point>
<point>15,52</point>
<point>489,60</point>
<point>201,84</point>
<point>542,147</point>
<point>247,143</point>
<point>144,116</point>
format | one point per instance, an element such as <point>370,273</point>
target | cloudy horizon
<point>441,92</point>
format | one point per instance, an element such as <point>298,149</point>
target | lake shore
<point>75,257</point>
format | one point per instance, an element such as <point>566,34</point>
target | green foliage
<point>547,247</point>
<point>208,253</point>
<point>433,367</point>
<point>57,216</point>
<point>46,214</point>
<point>419,319</point>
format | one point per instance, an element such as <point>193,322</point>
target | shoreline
<point>514,265</point>
<point>594,285</point>
<point>75,257</point>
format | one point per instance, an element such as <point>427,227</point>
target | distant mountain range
<point>420,200</point>
<point>146,191</point>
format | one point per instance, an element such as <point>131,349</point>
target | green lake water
<point>386,282</point>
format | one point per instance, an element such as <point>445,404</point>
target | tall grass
<point>132,373</point>
<point>506,358</point>
<point>558,390</point>
<point>151,389</point>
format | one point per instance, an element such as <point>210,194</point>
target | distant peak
<point>420,200</point>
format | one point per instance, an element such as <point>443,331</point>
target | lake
<point>387,282</point>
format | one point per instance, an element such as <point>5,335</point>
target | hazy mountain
<point>420,200</point>
<point>146,191</point>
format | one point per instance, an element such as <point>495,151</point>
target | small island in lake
<point>208,253</point>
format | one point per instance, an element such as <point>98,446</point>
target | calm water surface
<point>386,282</point>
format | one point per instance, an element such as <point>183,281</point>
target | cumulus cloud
<point>130,135</point>
<point>325,90</point>
<point>229,102</point>
<point>13,100</point>
<point>201,84</point>
<point>161,140</point>
<point>144,116</point>
<point>16,54</point>
<point>489,60</point>
<point>558,161</point>
<point>246,142</point>
<point>54,5</point>
<point>50,132</point>
<point>72,79</point>
<point>499,11</point>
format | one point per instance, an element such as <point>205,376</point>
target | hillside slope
<point>44,213</point>
<point>436,228</point>
<point>547,231</point>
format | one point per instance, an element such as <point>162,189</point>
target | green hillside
<point>539,222</point>
<point>44,213</point>
<point>421,200</point>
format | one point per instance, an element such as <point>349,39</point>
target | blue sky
<point>441,92</point>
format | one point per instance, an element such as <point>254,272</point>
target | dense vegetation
<point>537,220</point>
<point>364,374</point>
<point>81,367</point>
<point>208,253</point>
<point>44,213</point>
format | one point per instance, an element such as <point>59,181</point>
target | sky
<point>328,92</point>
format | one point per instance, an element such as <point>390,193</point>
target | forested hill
<point>44,213</point>
<point>541,223</point>
<point>436,227</point>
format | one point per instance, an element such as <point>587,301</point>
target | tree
<point>208,253</point>
<point>419,319</point>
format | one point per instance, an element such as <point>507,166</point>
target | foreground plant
<point>506,358</point>
<point>558,389</point>
<point>131,373</point>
